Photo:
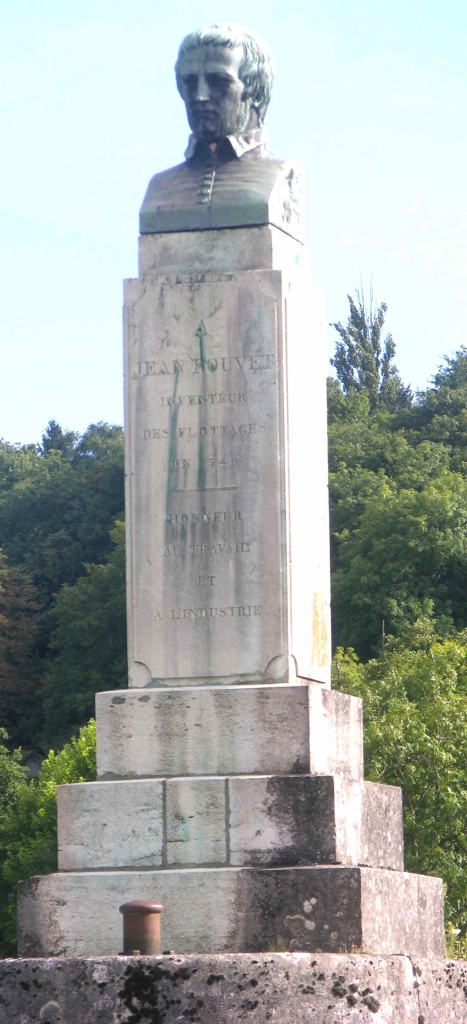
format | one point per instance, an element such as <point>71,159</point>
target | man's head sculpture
<point>229,177</point>
<point>224,75</point>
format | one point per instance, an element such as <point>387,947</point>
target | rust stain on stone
<point>320,630</point>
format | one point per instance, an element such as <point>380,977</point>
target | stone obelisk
<point>230,774</point>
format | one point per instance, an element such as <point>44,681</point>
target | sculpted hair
<point>257,68</point>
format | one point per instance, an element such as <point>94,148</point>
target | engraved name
<point>169,367</point>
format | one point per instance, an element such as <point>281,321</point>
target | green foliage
<point>440,413</point>
<point>56,514</point>
<point>28,819</point>
<point>364,362</point>
<point>58,507</point>
<point>415,711</point>
<point>12,773</point>
<point>455,944</point>
<point>90,643</point>
<point>407,553</point>
<point>58,440</point>
<point>398,486</point>
<point>19,668</point>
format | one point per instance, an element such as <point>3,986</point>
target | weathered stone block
<point>110,825</point>
<point>293,988</point>
<point>196,822</point>
<point>242,821</point>
<point>182,252</point>
<point>235,730</point>
<point>381,835</point>
<point>290,820</point>
<point>336,733</point>
<point>310,909</point>
<point>220,394</point>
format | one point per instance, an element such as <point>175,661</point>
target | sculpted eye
<point>218,81</point>
<point>190,81</point>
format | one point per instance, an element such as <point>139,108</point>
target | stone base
<point>238,821</point>
<point>306,909</point>
<point>228,730</point>
<point>288,988</point>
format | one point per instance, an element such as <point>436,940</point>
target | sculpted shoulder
<point>257,188</point>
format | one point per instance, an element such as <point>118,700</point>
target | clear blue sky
<point>370,97</point>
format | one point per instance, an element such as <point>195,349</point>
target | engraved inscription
<point>213,613</point>
<point>219,549</point>
<point>220,398</point>
<point>204,517</point>
<point>205,407</point>
<point>193,364</point>
<point>222,548</point>
<point>213,430</point>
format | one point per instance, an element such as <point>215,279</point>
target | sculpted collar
<point>239,144</point>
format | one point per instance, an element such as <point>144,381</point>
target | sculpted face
<point>214,94</point>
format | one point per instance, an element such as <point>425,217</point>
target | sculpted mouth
<point>205,115</point>
<point>206,121</point>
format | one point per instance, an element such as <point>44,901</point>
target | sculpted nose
<point>202,90</point>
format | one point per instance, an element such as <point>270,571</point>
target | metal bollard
<point>141,928</point>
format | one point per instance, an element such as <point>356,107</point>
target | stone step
<point>308,909</point>
<point>228,730</point>
<point>283,820</point>
<point>290,988</point>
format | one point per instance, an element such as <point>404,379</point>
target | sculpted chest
<point>251,190</point>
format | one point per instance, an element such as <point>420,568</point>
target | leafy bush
<point>415,712</point>
<point>28,818</point>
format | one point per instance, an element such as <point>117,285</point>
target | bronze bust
<point>229,178</point>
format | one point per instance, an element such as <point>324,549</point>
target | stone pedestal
<point>226,462</point>
<point>230,777</point>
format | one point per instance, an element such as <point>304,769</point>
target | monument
<point>230,775</point>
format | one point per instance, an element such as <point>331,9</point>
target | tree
<point>54,439</point>
<point>58,504</point>
<point>415,711</point>
<point>363,361</point>
<point>19,668</point>
<point>398,510</point>
<point>89,644</point>
<point>439,413</point>
<point>57,514</point>
<point>28,819</point>
<point>406,552</point>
